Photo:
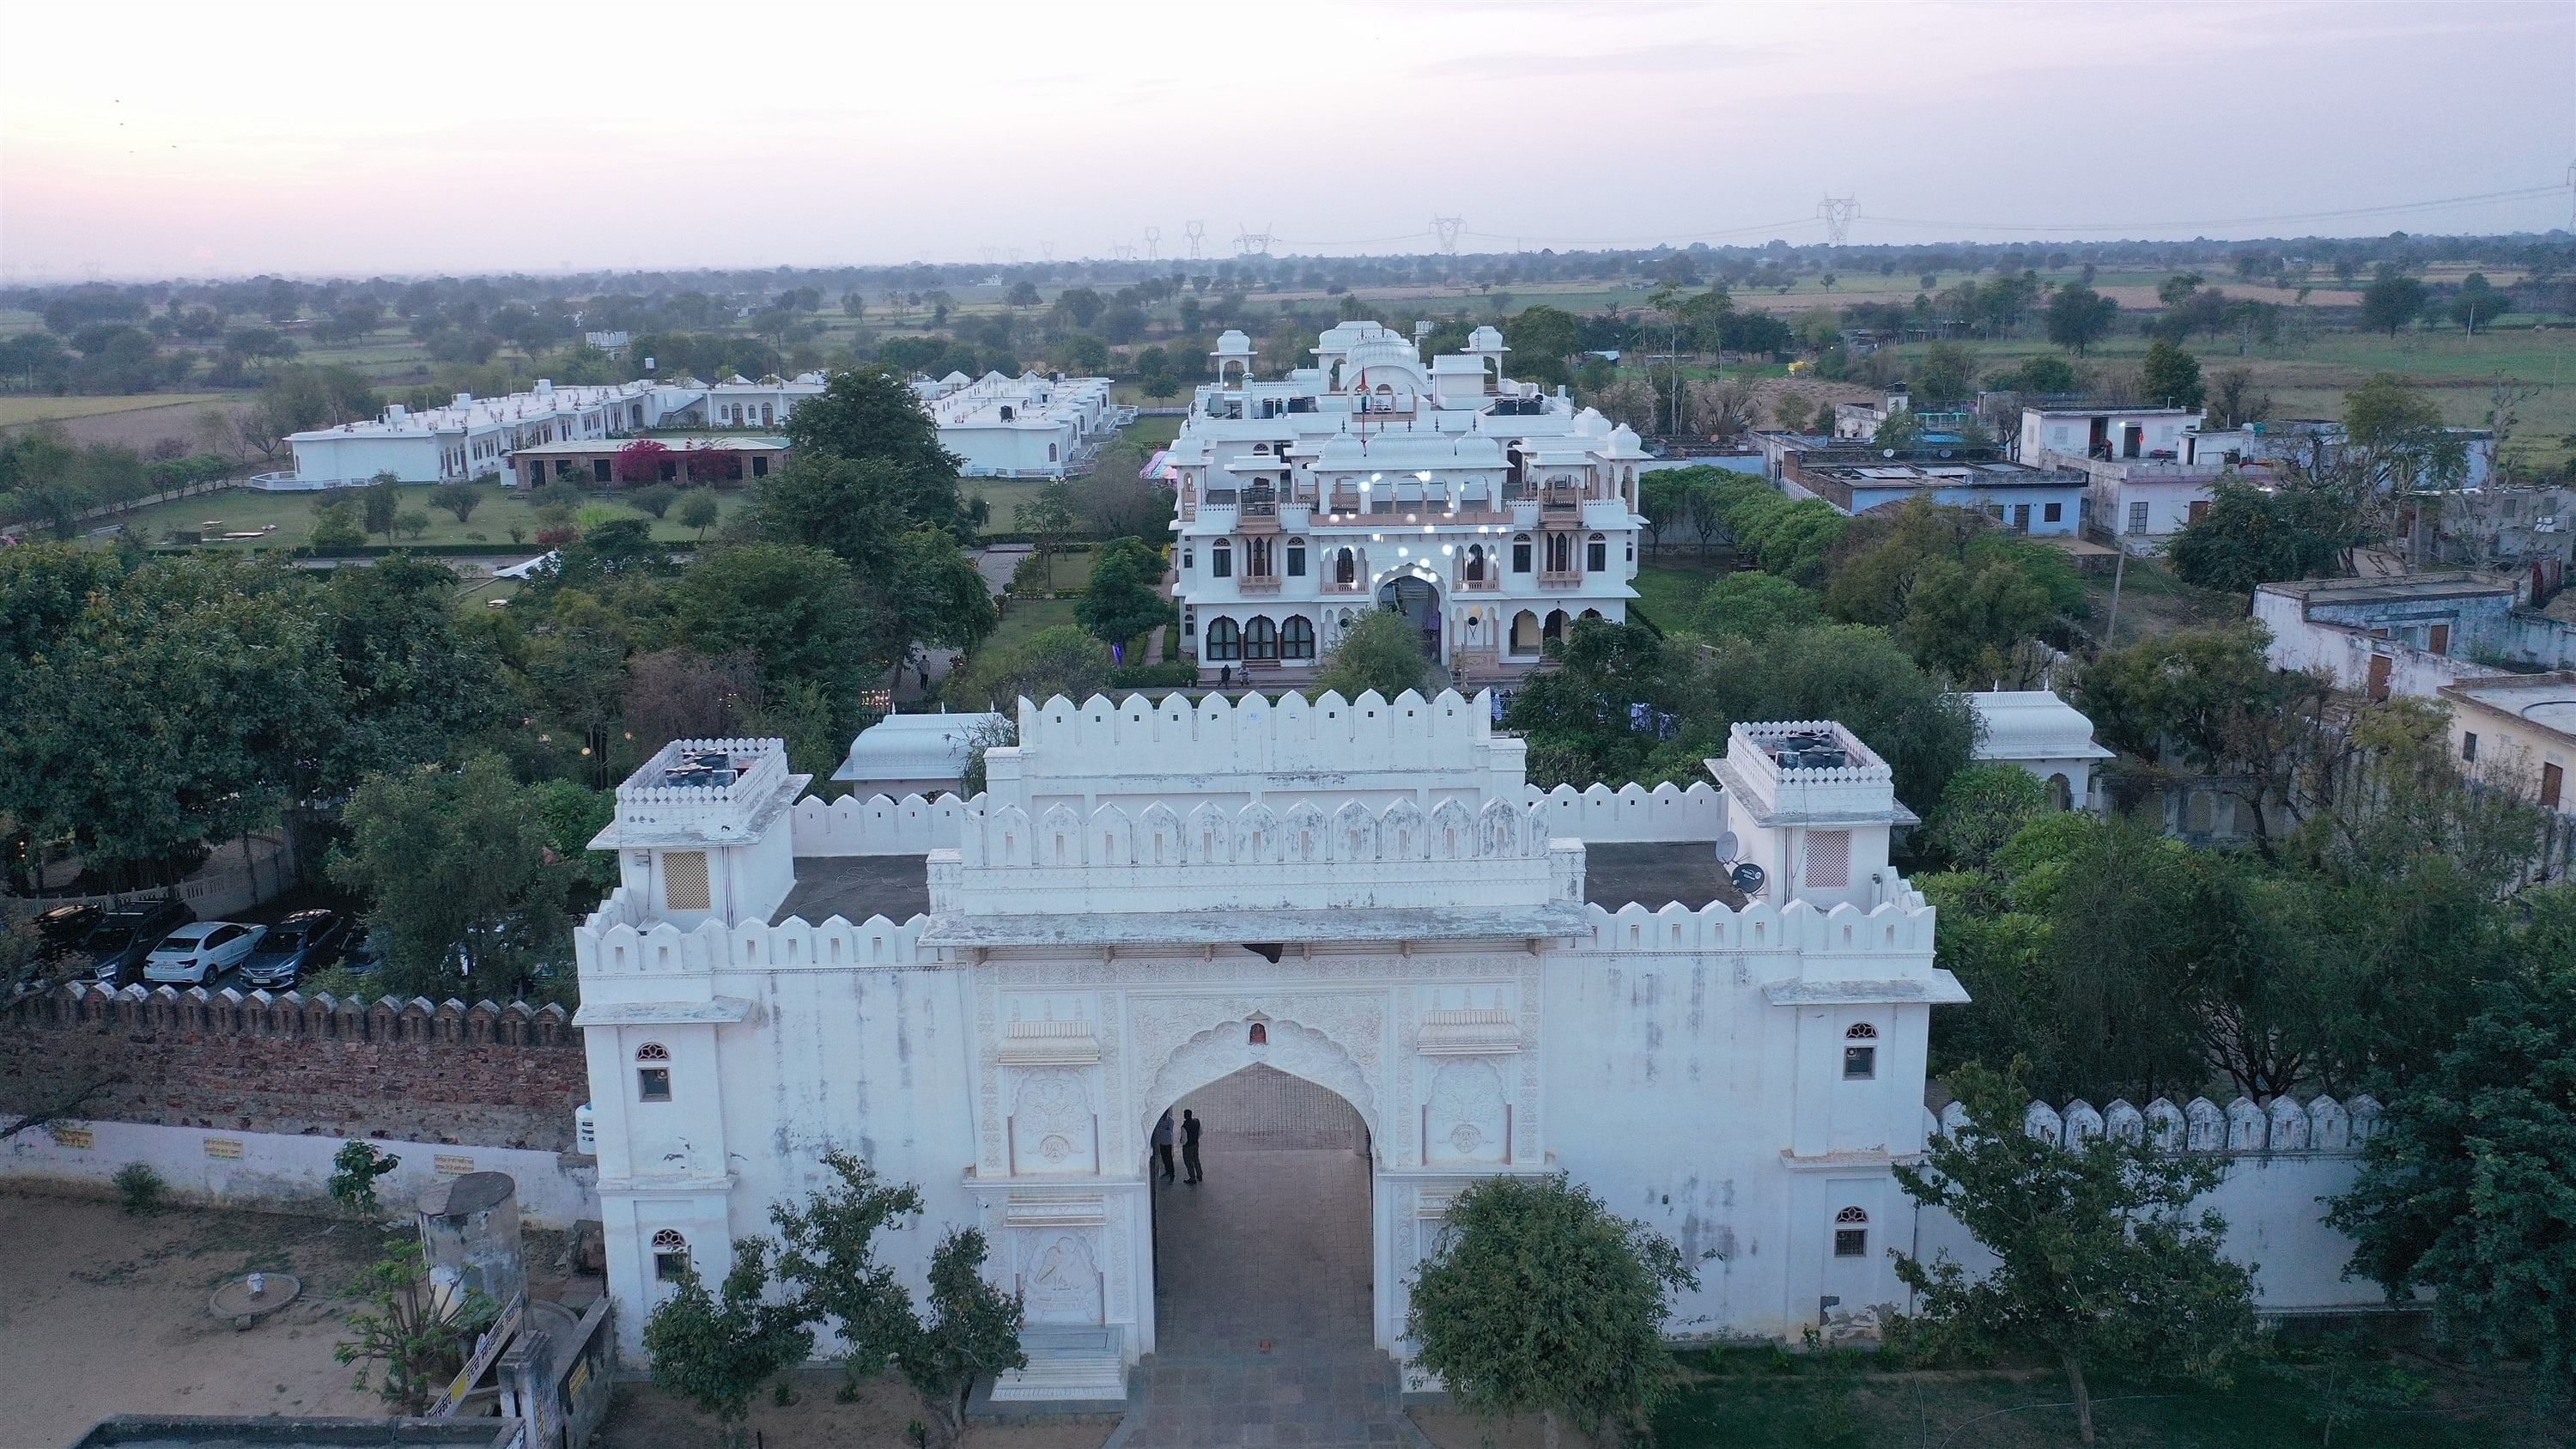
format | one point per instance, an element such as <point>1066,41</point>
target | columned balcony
<point>1256,583</point>
<point>1568,579</point>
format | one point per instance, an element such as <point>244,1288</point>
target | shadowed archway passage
<point>1262,1292</point>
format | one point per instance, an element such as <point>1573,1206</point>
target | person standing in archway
<point>1190,1126</point>
<point>1163,1143</point>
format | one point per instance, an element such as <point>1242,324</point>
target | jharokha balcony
<point>1560,579</point>
<point>1256,583</point>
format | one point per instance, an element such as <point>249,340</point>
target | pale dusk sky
<point>152,140</point>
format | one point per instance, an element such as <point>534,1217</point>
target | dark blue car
<point>305,941</point>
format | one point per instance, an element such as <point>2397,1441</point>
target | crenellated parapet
<point>2242,1127</point>
<point>608,945</point>
<point>321,1016</point>
<point>1634,812</point>
<point>1897,928</point>
<point>877,825</point>
<point>1445,732</point>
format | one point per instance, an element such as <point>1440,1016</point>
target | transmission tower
<point>1445,229</point>
<point>1838,212</point>
<point>1123,253</point>
<point>992,255</point>
<point>1194,230</point>
<point>1153,243</point>
<point>1250,243</point>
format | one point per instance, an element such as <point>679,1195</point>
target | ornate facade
<point>1005,993</point>
<point>1487,512</point>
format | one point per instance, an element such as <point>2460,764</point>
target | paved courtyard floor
<point>1262,1301</point>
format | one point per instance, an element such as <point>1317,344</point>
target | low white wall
<point>274,1170</point>
<point>1634,813</point>
<point>876,825</point>
<point>2275,1206</point>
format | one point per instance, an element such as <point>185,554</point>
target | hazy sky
<point>167,139</point>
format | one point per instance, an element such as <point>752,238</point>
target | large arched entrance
<point>1418,600</point>
<point>1263,1270</point>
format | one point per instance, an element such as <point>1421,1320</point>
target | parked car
<point>199,952</point>
<point>60,931</point>
<point>128,933</point>
<point>305,941</point>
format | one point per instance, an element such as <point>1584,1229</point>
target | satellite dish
<point>1727,846</point>
<point>1747,879</point>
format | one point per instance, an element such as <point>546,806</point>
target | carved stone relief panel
<point>1467,1114</point>
<point>1052,1126</point>
<point>1060,1274</point>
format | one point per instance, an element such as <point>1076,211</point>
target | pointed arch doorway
<point>1272,1252</point>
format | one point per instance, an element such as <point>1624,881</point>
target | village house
<point>2410,635</point>
<point>2518,730</point>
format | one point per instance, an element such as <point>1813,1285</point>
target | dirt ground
<point>140,428</point>
<point>104,1313</point>
<point>646,1418</point>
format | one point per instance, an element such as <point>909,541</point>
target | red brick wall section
<point>484,1075</point>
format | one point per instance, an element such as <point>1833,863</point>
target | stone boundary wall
<point>485,1074</point>
<point>877,825</point>
<point>269,1170</point>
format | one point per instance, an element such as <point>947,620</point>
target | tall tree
<point>1538,1300</point>
<point>1378,651</point>
<point>2465,1188</point>
<point>2099,1255</point>
<point>2170,377</point>
<point>867,414</point>
<point>1125,598</point>
<point>795,610</point>
<point>2390,302</point>
<point>2078,317</point>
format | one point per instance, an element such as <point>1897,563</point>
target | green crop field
<point>246,509</point>
<point>18,410</point>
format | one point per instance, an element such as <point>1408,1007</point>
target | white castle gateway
<point>1004,994</point>
<point>1491,514</point>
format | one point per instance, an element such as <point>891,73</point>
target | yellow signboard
<point>82,1138</point>
<point>228,1149</point>
<point>450,1164</point>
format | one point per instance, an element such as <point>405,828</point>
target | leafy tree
<point>2479,300</point>
<point>2170,377</point>
<point>2099,1255</point>
<point>2078,317</point>
<point>2039,375</point>
<point>1944,375</point>
<point>1853,674</point>
<point>414,1337</point>
<point>1125,599</point>
<point>412,686</point>
<point>2251,536</point>
<point>2464,1190</point>
<point>868,415</point>
<point>1538,1300</point>
<point>1902,430</point>
<point>1789,411</point>
<point>717,1349</point>
<point>167,706</point>
<point>1116,500</point>
<point>655,498</point>
<point>1982,808</point>
<point>411,523</point>
<point>1378,651</point>
<point>1961,594</point>
<point>1754,605</point>
<point>2233,401</point>
<point>2390,302</point>
<point>794,610</point>
<point>1062,660</point>
<point>461,879</point>
<point>973,1329</point>
<point>699,509</point>
<point>1049,518</point>
<point>460,499</point>
<point>643,461</point>
<point>354,1170</point>
<point>336,527</point>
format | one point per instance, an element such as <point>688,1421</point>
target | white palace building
<point>1488,512</point>
<point>997,998</point>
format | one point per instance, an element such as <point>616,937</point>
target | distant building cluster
<point>1031,426</point>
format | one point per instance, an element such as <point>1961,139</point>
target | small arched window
<point>1260,639</point>
<point>1860,1058</point>
<point>1297,638</point>
<point>1221,559</point>
<point>652,1051</point>
<point>1296,558</point>
<point>1006,412</point>
<point>1260,1035</point>
<point>1475,563</point>
<point>1851,1233</point>
<point>1520,553</point>
<point>670,1256</point>
<point>1596,554</point>
<point>1525,635</point>
<point>1346,566</point>
<point>1224,640</point>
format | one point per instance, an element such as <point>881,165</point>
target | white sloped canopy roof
<point>2033,724</point>
<point>914,747</point>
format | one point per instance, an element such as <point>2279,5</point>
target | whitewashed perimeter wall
<point>1256,735</point>
<point>279,1171</point>
<point>876,825</point>
<point>2282,1163</point>
<point>1633,812</point>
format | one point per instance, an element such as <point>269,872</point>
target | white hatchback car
<point>196,954</point>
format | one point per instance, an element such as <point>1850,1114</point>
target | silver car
<point>198,953</point>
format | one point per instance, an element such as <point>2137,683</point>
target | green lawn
<point>2154,603</point>
<point>1864,1408</point>
<point>1671,579</point>
<point>243,509</point>
<point>1028,616</point>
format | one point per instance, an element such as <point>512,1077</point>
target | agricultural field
<point>247,509</point>
<point>19,411</point>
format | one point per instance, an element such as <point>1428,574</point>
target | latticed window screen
<point>1829,858</point>
<point>684,880</point>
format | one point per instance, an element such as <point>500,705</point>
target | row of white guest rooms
<point>1490,514</point>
